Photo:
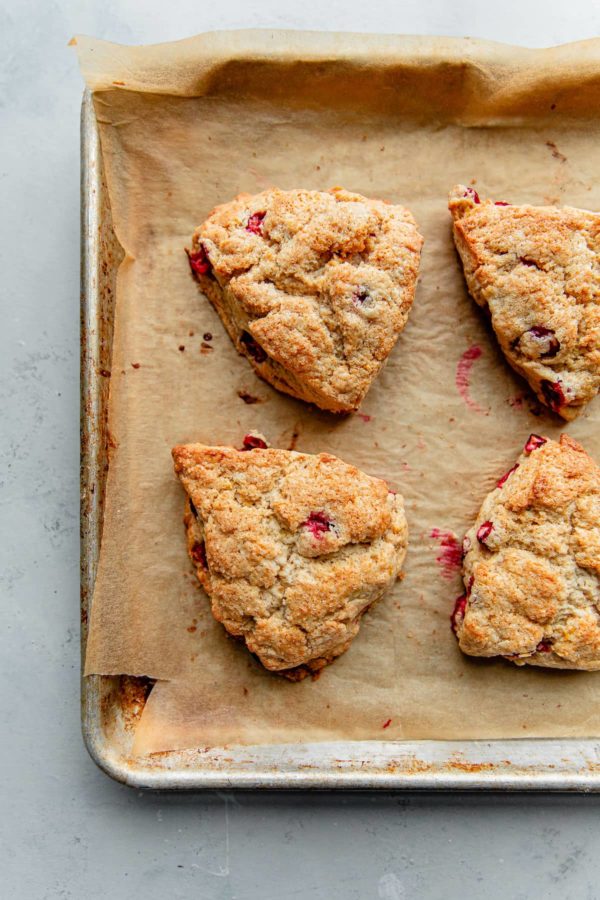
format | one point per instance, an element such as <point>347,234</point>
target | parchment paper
<point>189,125</point>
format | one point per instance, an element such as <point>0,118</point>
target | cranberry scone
<point>537,270</point>
<point>313,287</point>
<point>291,548</point>
<point>532,562</point>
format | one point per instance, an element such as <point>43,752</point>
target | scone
<point>292,549</point>
<point>537,270</point>
<point>313,287</point>
<point>532,562</point>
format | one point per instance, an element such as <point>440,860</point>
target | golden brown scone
<point>532,562</point>
<point>313,287</point>
<point>291,548</point>
<point>537,270</point>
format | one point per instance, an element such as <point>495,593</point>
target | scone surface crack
<point>532,562</point>
<point>537,270</point>
<point>291,548</point>
<point>313,287</point>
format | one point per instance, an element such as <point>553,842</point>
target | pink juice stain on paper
<point>463,376</point>
<point>364,416</point>
<point>450,557</point>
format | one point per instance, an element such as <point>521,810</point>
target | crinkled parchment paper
<point>188,125</point>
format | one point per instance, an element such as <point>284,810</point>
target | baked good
<point>291,548</point>
<point>532,562</point>
<point>537,270</point>
<point>313,287</point>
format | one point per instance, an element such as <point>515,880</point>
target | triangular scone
<point>291,548</point>
<point>537,269</point>
<point>532,562</point>
<point>314,287</point>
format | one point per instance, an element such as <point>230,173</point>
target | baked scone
<point>291,548</point>
<point>537,270</point>
<point>313,287</point>
<point>532,562</point>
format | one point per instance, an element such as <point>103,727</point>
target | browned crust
<point>295,287</point>
<point>295,596</point>
<point>537,267</point>
<point>533,579</point>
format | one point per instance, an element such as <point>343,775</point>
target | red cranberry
<point>318,524</point>
<point>544,647</point>
<point>255,222</point>
<point>533,442</point>
<point>360,296</point>
<point>199,261</point>
<point>199,554</point>
<point>507,475</point>
<point>458,613</point>
<point>527,261</point>
<point>472,194</point>
<point>253,349</point>
<point>501,203</point>
<point>484,531</point>
<point>553,394</point>
<point>251,442</point>
<point>544,339</point>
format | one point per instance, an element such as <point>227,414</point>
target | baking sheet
<point>169,160</point>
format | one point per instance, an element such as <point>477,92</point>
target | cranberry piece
<point>544,647</point>
<point>545,340</point>
<point>526,261</point>
<point>501,203</point>
<point>472,194</point>
<point>507,475</point>
<point>193,509</point>
<point>360,296</point>
<point>533,442</point>
<point>199,554</point>
<point>251,442</point>
<point>255,222</point>
<point>484,531</point>
<point>318,524</point>
<point>458,613</point>
<point>199,261</point>
<point>253,349</point>
<point>553,394</point>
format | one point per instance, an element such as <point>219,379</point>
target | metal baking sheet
<point>111,706</point>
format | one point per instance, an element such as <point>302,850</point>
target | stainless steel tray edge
<point>107,725</point>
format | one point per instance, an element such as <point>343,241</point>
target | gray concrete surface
<point>66,831</point>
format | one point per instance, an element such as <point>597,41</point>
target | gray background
<point>66,831</point>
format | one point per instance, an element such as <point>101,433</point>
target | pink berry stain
<point>318,524</point>
<point>544,647</point>
<point>364,416</point>
<point>450,557</point>
<point>387,723</point>
<point>463,376</point>
<point>255,222</point>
